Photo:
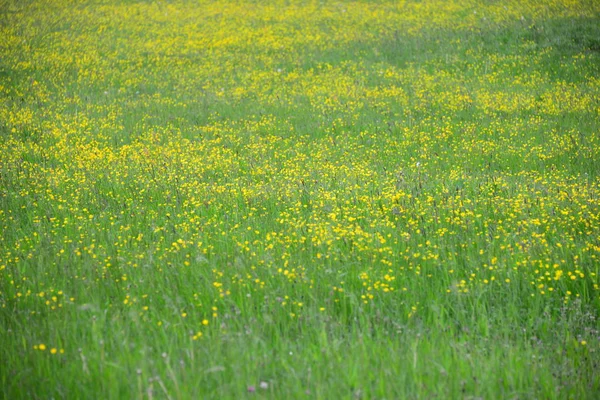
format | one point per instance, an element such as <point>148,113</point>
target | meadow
<point>299,199</point>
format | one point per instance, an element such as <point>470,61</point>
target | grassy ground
<point>299,199</point>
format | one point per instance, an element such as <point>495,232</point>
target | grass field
<point>299,199</point>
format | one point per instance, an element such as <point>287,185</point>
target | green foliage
<point>299,199</point>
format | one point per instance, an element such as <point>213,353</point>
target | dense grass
<point>299,199</point>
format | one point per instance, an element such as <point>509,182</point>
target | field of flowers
<point>299,199</point>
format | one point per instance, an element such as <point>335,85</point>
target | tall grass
<point>299,199</point>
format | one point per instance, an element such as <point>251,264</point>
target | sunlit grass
<point>299,199</point>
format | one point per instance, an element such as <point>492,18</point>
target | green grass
<point>299,200</point>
